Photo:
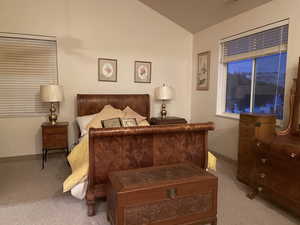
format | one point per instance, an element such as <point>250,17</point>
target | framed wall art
<point>142,72</point>
<point>203,71</point>
<point>107,69</point>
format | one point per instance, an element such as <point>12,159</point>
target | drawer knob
<point>171,193</point>
<point>258,144</point>
<point>260,189</point>
<point>262,175</point>
<point>264,160</point>
<point>293,155</point>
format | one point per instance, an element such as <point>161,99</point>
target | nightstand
<point>167,120</point>
<point>54,137</point>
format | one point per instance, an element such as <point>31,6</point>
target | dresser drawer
<point>246,130</point>
<point>278,176</point>
<point>292,155</point>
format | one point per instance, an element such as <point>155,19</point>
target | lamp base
<point>163,111</point>
<point>52,116</point>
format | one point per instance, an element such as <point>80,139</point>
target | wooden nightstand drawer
<point>55,130</point>
<point>53,141</point>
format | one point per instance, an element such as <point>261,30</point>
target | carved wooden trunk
<point>174,194</point>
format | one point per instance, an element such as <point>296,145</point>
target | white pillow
<point>83,121</point>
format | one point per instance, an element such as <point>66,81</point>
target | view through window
<point>268,76</point>
<point>255,72</point>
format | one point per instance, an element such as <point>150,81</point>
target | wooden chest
<point>164,195</point>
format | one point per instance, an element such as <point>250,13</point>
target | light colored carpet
<point>25,204</point>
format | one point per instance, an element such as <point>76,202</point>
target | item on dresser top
<point>111,123</point>
<point>108,112</point>
<point>83,121</point>
<point>173,194</point>
<point>128,122</point>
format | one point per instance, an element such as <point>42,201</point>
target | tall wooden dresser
<point>269,163</point>
<point>252,127</point>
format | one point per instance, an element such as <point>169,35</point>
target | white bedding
<point>79,190</point>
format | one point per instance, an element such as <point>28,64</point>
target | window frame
<point>221,102</point>
<point>222,73</point>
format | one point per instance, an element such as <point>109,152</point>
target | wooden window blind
<point>25,64</point>
<point>259,44</point>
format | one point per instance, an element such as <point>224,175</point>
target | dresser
<point>269,163</point>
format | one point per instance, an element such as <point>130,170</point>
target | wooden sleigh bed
<point>112,149</point>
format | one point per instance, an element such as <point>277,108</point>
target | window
<point>25,64</point>
<point>254,73</point>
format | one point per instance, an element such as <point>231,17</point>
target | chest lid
<point>158,176</point>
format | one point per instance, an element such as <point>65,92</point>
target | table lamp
<point>164,94</point>
<point>52,94</point>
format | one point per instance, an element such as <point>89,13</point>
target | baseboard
<point>28,157</point>
<point>225,158</point>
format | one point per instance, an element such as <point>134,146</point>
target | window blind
<point>263,43</point>
<point>25,64</point>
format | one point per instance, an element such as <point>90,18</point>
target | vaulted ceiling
<point>196,15</point>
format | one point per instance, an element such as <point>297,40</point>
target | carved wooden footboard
<point>127,148</point>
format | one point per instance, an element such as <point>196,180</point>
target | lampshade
<point>163,93</point>
<point>51,93</point>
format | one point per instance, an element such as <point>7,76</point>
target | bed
<point>112,149</point>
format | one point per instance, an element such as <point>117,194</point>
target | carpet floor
<point>31,196</point>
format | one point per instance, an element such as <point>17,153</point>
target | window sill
<point>279,123</point>
<point>228,116</point>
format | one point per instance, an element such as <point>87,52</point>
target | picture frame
<point>111,123</point>
<point>203,71</point>
<point>128,122</point>
<point>107,70</point>
<point>142,71</point>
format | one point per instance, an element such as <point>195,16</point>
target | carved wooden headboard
<point>93,103</point>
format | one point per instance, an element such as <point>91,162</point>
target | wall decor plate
<point>203,71</point>
<point>107,69</point>
<point>142,72</point>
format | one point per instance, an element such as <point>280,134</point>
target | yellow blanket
<point>79,161</point>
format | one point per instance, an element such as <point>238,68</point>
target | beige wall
<point>126,30</point>
<point>225,139</point>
